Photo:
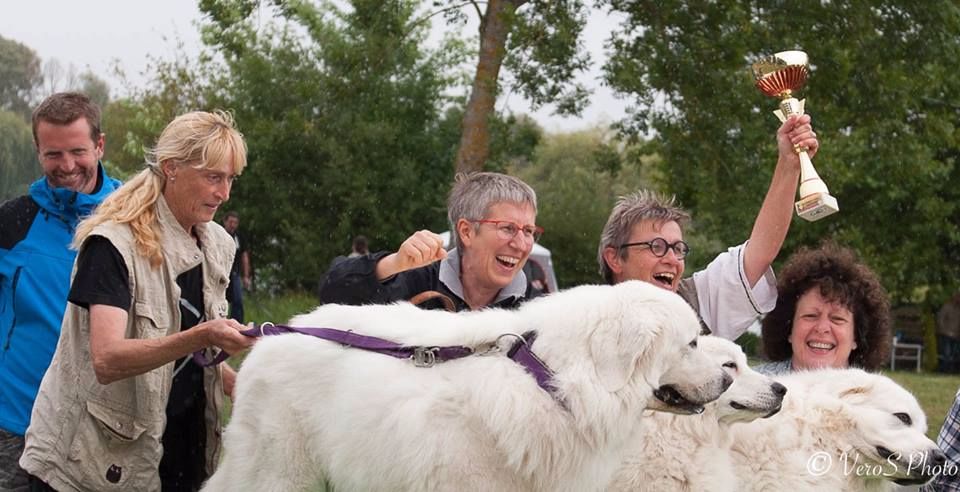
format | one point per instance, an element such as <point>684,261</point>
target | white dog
<point>839,430</point>
<point>309,410</point>
<point>691,453</point>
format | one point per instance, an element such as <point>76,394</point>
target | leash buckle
<point>424,356</point>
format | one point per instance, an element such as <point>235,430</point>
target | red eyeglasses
<point>508,229</point>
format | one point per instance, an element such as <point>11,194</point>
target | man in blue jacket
<point>36,259</point>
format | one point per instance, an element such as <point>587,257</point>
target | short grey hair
<point>629,211</point>
<point>473,194</point>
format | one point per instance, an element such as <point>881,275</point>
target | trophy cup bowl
<point>781,73</point>
<point>778,76</point>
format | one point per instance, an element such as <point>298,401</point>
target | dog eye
<point>693,344</point>
<point>905,418</point>
<point>730,365</point>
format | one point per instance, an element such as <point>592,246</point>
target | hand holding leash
<point>226,334</point>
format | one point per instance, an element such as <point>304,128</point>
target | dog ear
<point>855,394</point>
<point>615,349</point>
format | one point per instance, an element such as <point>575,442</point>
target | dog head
<point>752,395</point>
<point>885,426</point>
<point>650,338</point>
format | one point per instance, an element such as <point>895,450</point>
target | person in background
<point>832,312</point>
<point>359,247</point>
<point>36,259</point>
<point>493,218</point>
<point>123,406</point>
<point>643,240</point>
<point>241,265</point>
<point>948,335</point>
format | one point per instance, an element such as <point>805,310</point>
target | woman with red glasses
<point>493,221</point>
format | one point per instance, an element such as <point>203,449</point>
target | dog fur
<point>310,411</point>
<point>853,418</point>
<point>691,453</point>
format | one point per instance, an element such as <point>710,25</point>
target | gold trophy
<point>778,76</point>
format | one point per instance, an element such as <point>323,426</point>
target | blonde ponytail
<point>133,203</point>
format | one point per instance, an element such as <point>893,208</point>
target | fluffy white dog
<point>309,410</point>
<point>691,453</point>
<point>839,430</point>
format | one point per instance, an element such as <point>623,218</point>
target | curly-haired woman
<point>831,311</point>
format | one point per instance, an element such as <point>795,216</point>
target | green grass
<point>277,309</point>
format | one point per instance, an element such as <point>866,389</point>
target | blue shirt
<point>35,266</point>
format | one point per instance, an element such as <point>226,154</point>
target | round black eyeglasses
<point>659,247</point>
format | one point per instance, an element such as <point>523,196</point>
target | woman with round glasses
<point>643,240</point>
<point>493,220</point>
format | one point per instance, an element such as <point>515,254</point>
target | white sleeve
<point>728,305</point>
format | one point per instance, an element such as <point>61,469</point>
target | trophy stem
<point>810,182</point>
<point>789,106</point>
<point>815,201</point>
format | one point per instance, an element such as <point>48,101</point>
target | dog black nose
<point>778,389</point>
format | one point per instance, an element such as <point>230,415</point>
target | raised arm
<point>773,220</point>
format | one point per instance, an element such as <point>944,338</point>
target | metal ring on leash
<point>260,327</point>
<point>518,337</point>
<point>490,348</point>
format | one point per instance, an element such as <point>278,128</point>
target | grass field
<point>934,391</point>
<point>277,309</point>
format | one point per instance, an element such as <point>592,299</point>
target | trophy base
<point>816,207</point>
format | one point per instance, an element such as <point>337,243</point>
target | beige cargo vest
<point>87,436</point>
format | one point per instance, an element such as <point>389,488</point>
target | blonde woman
<point>122,406</point>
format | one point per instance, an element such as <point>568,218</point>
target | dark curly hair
<point>842,278</point>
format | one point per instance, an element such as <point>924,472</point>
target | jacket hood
<point>68,205</point>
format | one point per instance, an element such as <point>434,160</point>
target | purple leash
<point>421,356</point>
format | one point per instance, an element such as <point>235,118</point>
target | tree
<point>18,160</point>
<point>20,76</point>
<point>540,42</point>
<point>341,109</point>
<point>97,89</point>
<point>58,77</point>
<point>133,123</point>
<point>514,139</point>
<point>881,76</point>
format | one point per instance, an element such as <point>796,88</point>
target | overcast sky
<point>94,34</point>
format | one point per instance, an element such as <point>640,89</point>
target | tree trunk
<point>475,137</point>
